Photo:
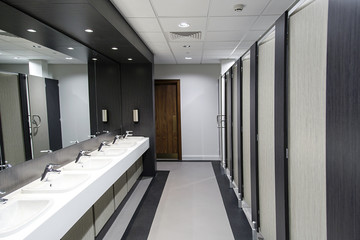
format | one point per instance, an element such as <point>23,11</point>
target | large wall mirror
<point>44,100</point>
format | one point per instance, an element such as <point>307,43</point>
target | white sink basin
<point>124,144</point>
<point>16,213</point>
<point>91,163</point>
<point>56,183</point>
<point>109,152</point>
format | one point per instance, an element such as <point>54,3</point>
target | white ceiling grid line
<point>226,34</point>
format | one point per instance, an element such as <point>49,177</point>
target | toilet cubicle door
<point>222,122</point>
<point>246,129</point>
<point>38,115</point>
<point>235,124</point>
<point>307,121</point>
<point>266,132</point>
<point>10,114</point>
<point>228,108</point>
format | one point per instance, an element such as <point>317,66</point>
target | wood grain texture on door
<point>167,119</point>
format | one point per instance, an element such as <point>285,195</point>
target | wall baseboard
<point>201,157</point>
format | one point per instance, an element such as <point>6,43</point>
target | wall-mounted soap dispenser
<point>136,115</point>
<point>104,115</point>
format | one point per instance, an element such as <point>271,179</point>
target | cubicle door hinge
<point>287,153</point>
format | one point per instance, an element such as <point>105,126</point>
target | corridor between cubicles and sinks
<point>50,208</point>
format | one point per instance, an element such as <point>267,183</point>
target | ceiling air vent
<point>179,35</point>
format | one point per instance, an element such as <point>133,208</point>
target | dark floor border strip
<point>140,224</point>
<point>113,217</point>
<point>239,224</point>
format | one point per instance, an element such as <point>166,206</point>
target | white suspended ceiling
<point>225,34</point>
<point>16,50</point>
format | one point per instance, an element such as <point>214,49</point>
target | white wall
<point>74,101</point>
<point>15,68</point>
<point>199,104</point>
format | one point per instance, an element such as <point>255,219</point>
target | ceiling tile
<point>225,36</point>
<point>238,53</point>
<point>152,37</point>
<point>264,22</point>
<point>253,35</point>
<point>230,23</point>
<point>171,24</point>
<point>221,53</point>
<point>220,45</point>
<point>145,24</point>
<point>183,8</point>
<point>164,60</point>
<point>138,8</point>
<point>180,46</point>
<point>158,46</point>
<point>226,8</point>
<point>278,7</point>
<point>210,60</point>
<point>245,44</point>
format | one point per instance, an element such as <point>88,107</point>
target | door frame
<point>178,108</point>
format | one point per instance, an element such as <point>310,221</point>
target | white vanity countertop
<point>68,207</point>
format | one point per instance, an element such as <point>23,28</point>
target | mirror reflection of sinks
<point>16,213</point>
<point>108,152</point>
<point>88,163</point>
<point>56,183</point>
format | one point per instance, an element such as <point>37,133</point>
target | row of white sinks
<point>32,201</point>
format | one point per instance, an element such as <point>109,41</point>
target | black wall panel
<point>53,113</point>
<point>239,127</point>
<point>137,85</point>
<point>104,93</point>
<point>254,169</point>
<point>343,120</point>
<point>24,116</point>
<point>281,169</point>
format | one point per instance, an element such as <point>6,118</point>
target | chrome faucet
<point>49,168</point>
<point>92,136</point>
<point>117,137</point>
<point>46,151</point>
<point>128,133</point>
<point>3,200</point>
<point>74,141</point>
<point>6,165</point>
<point>103,144</point>
<point>82,153</point>
<point>106,131</point>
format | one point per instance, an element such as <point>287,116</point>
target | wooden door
<point>167,119</point>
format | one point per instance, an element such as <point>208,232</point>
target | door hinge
<point>287,153</point>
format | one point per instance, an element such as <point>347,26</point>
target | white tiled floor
<point>191,206</point>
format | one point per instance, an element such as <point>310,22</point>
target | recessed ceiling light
<point>31,30</point>
<point>89,30</point>
<point>69,58</point>
<point>114,48</point>
<point>94,59</point>
<point>186,46</point>
<point>16,58</point>
<point>130,59</point>
<point>184,25</point>
<point>70,48</point>
<point>188,58</point>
